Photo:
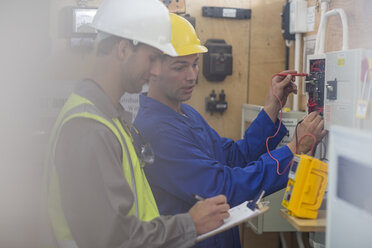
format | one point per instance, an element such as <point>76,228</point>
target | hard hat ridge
<point>184,38</point>
<point>145,21</point>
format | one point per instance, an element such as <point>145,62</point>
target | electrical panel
<point>314,83</point>
<point>75,25</point>
<point>347,89</point>
<point>285,23</point>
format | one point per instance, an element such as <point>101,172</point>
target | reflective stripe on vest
<point>144,206</point>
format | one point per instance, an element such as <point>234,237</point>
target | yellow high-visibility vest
<point>144,206</point>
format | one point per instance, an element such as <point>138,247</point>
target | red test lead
<point>293,74</point>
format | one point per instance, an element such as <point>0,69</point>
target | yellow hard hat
<point>184,38</point>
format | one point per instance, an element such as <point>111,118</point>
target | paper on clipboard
<point>238,215</point>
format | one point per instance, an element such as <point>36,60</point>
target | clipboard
<point>238,215</point>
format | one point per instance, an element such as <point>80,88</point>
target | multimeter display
<point>292,172</point>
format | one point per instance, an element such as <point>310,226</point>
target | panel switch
<point>332,90</point>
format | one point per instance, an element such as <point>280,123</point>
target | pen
<point>199,198</point>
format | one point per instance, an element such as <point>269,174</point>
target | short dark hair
<point>164,57</point>
<point>105,46</point>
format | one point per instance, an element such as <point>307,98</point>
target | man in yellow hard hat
<point>98,195</point>
<point>191,158</point>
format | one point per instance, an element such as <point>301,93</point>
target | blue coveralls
<point>191,158</point>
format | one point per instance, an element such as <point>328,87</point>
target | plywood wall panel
<point>267,53</point>
<point>235,33</point>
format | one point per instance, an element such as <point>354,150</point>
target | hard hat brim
<point>192,49</point>
<point>166,48</point>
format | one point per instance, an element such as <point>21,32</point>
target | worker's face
<point>178,77</point>
<point>144,64</point>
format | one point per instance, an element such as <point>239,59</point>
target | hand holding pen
<point>208,214</point>
<point>199,198</point>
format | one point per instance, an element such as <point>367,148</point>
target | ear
<point>124,49</point>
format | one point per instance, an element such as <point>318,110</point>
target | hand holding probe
<point>293,74</point>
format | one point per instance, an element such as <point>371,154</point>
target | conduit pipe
<point>297,67</point>
<point>320,37</point>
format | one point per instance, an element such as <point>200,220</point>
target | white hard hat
<point>145,21</point>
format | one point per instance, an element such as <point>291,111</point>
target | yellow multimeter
<point>307,182</point>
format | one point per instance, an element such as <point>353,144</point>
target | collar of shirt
<point>89,89</point>
<point>151,104</point>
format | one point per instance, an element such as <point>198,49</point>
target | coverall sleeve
<point>96,198</point>
<point>184,167</point>
<point>253,144</point>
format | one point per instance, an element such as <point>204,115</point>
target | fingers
<point>219,199</point>
<point>322,132</point>
<point>225,215</point>
<point>283,81</point>
<point>318,123</point>
<point>223,210</point>
<point>280,78</point>
<point>291,88</point>
<point>315,122</point>
<point>289,71</point>
<point>310,117</point>
<point>210,213</point>
<point>312,124</point>
<point>220,203</point>
<point>219,206</point>
<point>286,83</point>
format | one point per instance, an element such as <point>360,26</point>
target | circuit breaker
<point>314,83</point>
<point>347,89</point>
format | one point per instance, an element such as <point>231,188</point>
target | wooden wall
<point>267,53</point>
<point>237,34</point>
<point>258,52</point>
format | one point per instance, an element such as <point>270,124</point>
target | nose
<point>192,73</point>
<point>155,68</point>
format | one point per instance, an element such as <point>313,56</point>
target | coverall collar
<point>151,103</point>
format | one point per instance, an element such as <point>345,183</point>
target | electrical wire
<point>277,131</point>
<point>298,123</point>
<point>312,147</point>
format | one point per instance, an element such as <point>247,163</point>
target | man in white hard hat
<point>98,195</point>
